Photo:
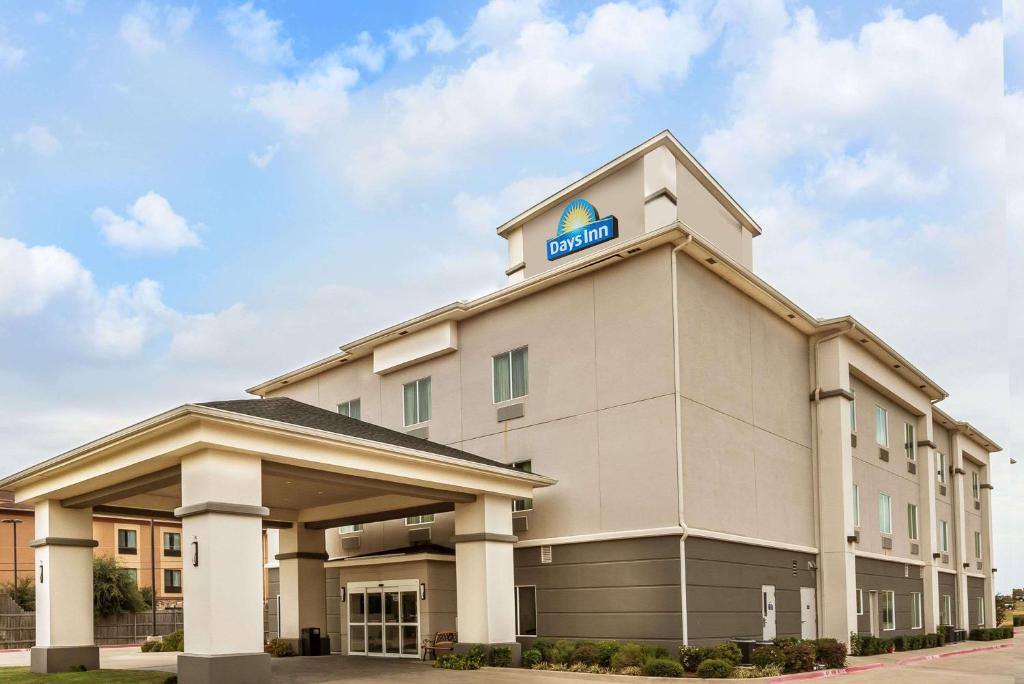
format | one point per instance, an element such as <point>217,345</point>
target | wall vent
<point>545,554</point>
<point>980,565</point>
<point>977,505</point>
<point>906,570</point>
<point>883,454</point>
<point>942,490</point>
<point>945,558</point>
<point>914,549</point>
<point>886,542</point>
<point>853,440</point>
<point>350,543</point>
<point>911,467</point>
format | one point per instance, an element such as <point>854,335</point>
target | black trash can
<point>309,643</point>
<point>746,648</point>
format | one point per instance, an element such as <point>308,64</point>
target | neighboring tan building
<point>125,538</point>
<point>727,464</point>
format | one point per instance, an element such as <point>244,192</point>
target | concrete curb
<point>821,674</point>
<point>950,654</point>
<point>26,650</point>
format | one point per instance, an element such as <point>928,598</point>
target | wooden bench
<point>440,642</point>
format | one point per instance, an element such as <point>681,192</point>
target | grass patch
<point>22,675</point>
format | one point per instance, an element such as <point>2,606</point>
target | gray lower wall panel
<point>878,575</point>
<point>723,589</point>
<point>947,587</point>
<point>273,590</point>
<point>975,590</point>
<point>333,579</point>
<point>625,589</point>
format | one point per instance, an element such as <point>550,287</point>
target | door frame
<point>769,607</point>
<point>382,586</point>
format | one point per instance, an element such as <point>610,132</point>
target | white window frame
<point>853,412</point>
<point>355,528</point>
<point>860,602</point>
<point>980,600</point>
<point>886,501</point>
<point>946,606</point>
<point>358,402</point>
<point>420,519</point>
<point>943,536</point>
<point>888,597</point>
<point>976,485</point>
<point>940,471</point>
<point>856,505</point>
<point>430,409</point>
<point>977,545</point>
<point>910,441</point>
<point>526,586</point>
<point>512,397</point>
<point>881,427</point>
<point>913,525</point>
<point>916,610</point>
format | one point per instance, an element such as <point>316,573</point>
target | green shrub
<point>656,651</point>
<point>930,640</point>
<point>632,671</point>
<point>991,634</point>
<point>727,651</point>
<point>532,656</point>
<point>544,646</point>
<point>450,661</point>
<point>629,655</point>
<point>662,667</point>
<point>77,668</point>
<point>171,679</point>
<point>279,648</point>
<point>1018,620</point>
<point>175,641</point>
<point>586,652</point>
<point>799,656</point>
<point>115,589</point>
<point>150,646</point>
<point>501,656</point>
<point>561,652</point>
<point>769,654</point>
<point>715,669</point>
<point>831,653</point>
<point>692,656</point>
<point>606,650</point>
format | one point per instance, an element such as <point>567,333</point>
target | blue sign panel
<point>579,228</point>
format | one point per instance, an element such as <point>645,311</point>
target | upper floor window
<point>510,375</point>
<point>172,543</point>
<point>172,581</point>
<point>519,505</point>
<point>127,541</point>
<point>944,536</point>
<point>885,513</point>
<point>853,412</point>
<point>346,529</point>
<point>910,441</point>
<point>976,485</point>
<point>419,519</point>
<point>940,467</point>
<point>912,521</point>
<point>351,408</point>
<point>977,545</point>
<point>416,395</point>
<point>856,505</point>
<point>134,574</point>
<point>882,427</point>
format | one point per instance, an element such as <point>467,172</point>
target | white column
<point>659,189</point>
<point>63,574</point>
<point>484,571</point>
<point>837,569</point>
<point>221,512</point>
<point>959,535</point>
<point>926,523</point>
<point>301,556</point>
<point>987,546</point>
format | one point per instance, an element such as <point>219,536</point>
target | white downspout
<point>679,433</point>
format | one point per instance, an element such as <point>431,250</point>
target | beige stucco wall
<point>702,213</point>
<point>944,502</point>
<point>746,425</point>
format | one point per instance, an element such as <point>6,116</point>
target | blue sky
<point>196,197</point>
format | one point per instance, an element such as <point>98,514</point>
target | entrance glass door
<point>383,619</point>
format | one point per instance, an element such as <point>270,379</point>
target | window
<point>940,466</point>
<point>419,519</point>
<point>346,529</point>
<point>417,401</point>
<point>134,574</point>
<point>172,543</point>
<point>526,611</point>
<point>882,427</point>
<point>944,536</point>
<point>351,408</point>
<point>127,541</point>
<point>977,545</point>
<point>856,505</point>
<point>912,521</point>
<point>519,505</point>
<point>946,610</point>
<point>888,611</point>
<point>976,485</point>
<point>853,412</point>
<point>885,513</point>
<point>510,375</point>
<point>910,441</point>
<point>916,611</point>
<point>860,602</point>
<point>172,581</point>
<point>979,601</point>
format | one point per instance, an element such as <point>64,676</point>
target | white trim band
<point>891,559</point>
<point>752,541</point>
<point>600,536</point>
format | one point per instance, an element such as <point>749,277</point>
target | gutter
<point>679,429</point>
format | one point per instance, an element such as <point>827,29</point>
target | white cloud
<point>304,104</point>
<point>148,29</point>
<point>127,318</point>
<point>39,139</point>
<point>431,36</point>
<point>876,175</point>
<point>33,276</point>
<point>499,22</point>
<point>484,213</point>
<point>153,227</point>
<point>263,159</point>
<point>256,35</point>
<point>366,53</point>
<point>74,6</point>
<point>10,56</point>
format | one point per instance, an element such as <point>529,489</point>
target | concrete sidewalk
<point>111,658</point>
<point>905,657</point>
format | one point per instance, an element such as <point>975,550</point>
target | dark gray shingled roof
<point>285,410</point>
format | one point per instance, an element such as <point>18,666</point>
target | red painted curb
<point>26,650</point>
<point>821,674</point>
<point>949,654</point>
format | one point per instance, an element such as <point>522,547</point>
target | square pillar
<point>959,534</point>
<point>63,574</point>
<point>222,578</point>
<point>301,557</point>
<point>484,573</point>
<point>926,523</point>
<point>987,546</point>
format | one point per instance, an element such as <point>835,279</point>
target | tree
<point>1001,602</point>
<point>24,594</point>
<point>114,589</point>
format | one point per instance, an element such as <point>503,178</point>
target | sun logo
<point>577,214</point>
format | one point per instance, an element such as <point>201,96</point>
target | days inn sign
<point>580,228</point>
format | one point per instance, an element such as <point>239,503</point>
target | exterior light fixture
<point>195,552</point>
<point>40,572</point>
<point>423,592</point>
<point>343,594</point>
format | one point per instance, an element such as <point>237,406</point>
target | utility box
<point>309,643</point>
